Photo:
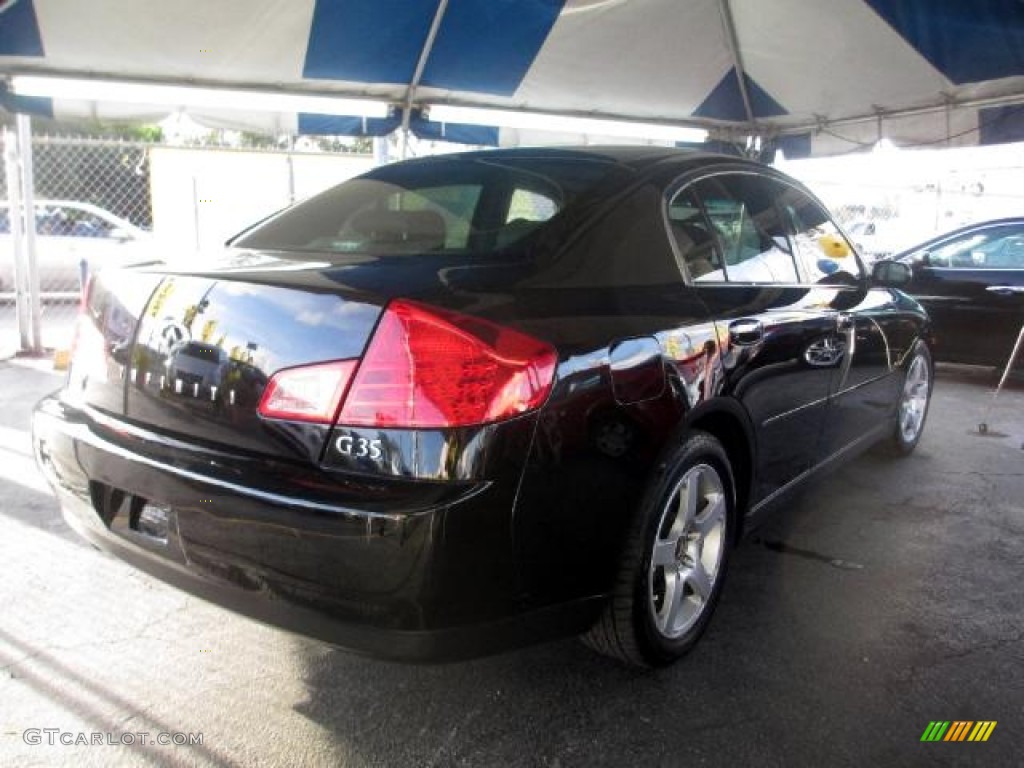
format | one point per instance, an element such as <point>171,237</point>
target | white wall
<point>202,196</point>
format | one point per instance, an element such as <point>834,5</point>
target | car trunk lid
<point>190,356</point>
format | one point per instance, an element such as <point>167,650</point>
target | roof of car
<point>631,155</point>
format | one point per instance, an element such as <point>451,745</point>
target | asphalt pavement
<point>887,597</point>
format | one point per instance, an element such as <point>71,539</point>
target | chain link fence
<point>91,208</point>
<point>108,202</point>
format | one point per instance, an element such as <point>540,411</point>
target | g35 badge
<point>359,447</point>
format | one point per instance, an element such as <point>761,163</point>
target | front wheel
<point>674,564</point>
<point>914,400</point>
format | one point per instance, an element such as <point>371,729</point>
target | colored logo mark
<point>958,730</point>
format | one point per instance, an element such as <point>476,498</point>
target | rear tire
<point>674,563</point>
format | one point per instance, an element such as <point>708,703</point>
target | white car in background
<point>68,232</point>
<point>877,239</point>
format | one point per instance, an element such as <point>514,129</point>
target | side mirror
<point>891,274</point>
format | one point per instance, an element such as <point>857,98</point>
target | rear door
<point>973,287</point>
<point>777,338</point>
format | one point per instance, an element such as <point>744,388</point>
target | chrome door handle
<point>1005,290</point>
<point>746,332</point>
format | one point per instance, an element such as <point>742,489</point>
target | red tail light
<point>427,367</point>
<point>310,393</point>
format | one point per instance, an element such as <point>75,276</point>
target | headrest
<point>424,230</point>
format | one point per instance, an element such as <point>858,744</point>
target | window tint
<point>1001,248</point>
<point>693,237</point>
<point>530,206</point>
<point>822,252</point>
<point>444,205</point>
<point>527,210</point>
<point>453,204</point>
<point>748,230</point>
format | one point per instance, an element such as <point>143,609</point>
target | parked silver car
<point>68,232</point>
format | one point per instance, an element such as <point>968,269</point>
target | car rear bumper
<point>415,571</point>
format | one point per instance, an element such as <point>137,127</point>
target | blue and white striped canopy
<point>825,75</point>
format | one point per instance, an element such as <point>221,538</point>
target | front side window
<point>822,253</point>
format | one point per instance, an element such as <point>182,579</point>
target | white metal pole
<point>24,123</point>
<point>195,210</point>
<point>983,426</point>
<point>380,150</point>
<point>12,163</point>
<point>290,158</point>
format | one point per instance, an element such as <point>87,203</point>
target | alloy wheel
<point>686,561</point>
<point>914,403</point>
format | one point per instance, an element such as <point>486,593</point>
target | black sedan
<point>971,281</point>
<point>470,402</point>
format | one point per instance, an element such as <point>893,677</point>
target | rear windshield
<point>441,205</point>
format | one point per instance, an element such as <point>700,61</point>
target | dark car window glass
<point>527,210</point>
<point>749,229</point>
<point>999,249</point>
<point>822,253</point>
<point>454,204</point>
<point>442,205</point>
<point>693,237</point>
<point>66,221</point>
<point>530,206</point>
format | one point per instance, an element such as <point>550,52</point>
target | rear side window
<point>527,210</point>
<point>693,237</point>
<point>748,240</point>
<point>527,205</point>
<point>470,204</point>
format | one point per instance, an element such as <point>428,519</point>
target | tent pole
<point>12,165</point>
<point>737,59</point>
<point>948,105</point>
<point>24,128</point>
<point>417,75</point>
<point>380,150</point>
